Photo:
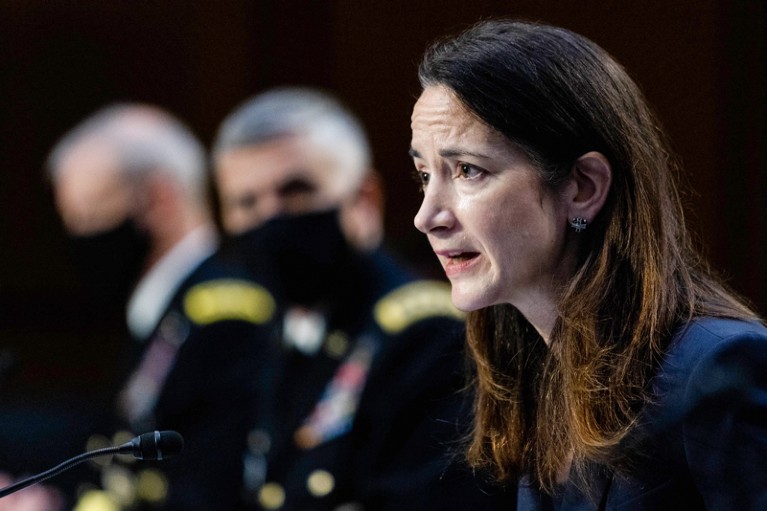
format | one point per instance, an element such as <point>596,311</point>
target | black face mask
<point>304,258</point>
<point>109,263</point>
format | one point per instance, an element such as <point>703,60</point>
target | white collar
<point>303,329</point>
<point>156,288</point>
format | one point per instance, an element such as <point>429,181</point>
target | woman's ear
<point>591,179</point>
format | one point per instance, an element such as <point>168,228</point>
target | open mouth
<point>462,257</point>
<point>458,262</point>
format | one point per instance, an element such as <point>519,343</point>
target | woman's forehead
<point>441,122</point>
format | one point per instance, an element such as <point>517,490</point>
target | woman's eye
<point>467,171</point>
<point>422,178</point>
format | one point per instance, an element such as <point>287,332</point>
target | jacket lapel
<point>592,499</point>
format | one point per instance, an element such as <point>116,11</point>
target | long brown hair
<point>557,95</point>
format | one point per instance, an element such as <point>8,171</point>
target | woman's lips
<point>456,263</point>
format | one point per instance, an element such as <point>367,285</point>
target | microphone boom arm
<point>61,467</point>
<point>156,445</point>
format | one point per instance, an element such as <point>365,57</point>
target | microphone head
<point>156,445</point>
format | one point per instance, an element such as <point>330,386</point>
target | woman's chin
<point>467,302</point>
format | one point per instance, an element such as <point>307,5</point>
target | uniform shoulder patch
<point>414,302</point>
<point>228,299</point>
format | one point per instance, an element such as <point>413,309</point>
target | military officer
<point>130,185</point>
<point>365,407</point>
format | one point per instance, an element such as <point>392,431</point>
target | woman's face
<point>498,232</point>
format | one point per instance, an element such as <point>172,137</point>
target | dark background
<point>700,62</point>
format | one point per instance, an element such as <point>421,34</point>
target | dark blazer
<point>705,438</point>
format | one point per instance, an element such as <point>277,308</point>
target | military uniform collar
<point>156,289</point>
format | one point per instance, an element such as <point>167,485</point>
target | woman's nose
<point>434,213</point>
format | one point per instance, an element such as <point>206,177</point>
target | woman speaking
<point>614,368</point>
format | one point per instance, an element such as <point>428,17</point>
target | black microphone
<point>157,445</point>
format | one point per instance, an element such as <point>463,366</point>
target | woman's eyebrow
<point>450,153</point>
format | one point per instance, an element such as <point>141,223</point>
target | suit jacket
<point>705,437</point>
<point>372,419</point>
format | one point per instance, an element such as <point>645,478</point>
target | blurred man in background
<point>130,184</point>
<point>365,402</point>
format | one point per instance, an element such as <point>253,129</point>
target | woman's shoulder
<point>704,335</point>
<point>715,356</point>
<point>719,327</point>
<point>712,409</point>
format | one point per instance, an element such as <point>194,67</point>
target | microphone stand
<point>61,467</point>
<point>156,445</point>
